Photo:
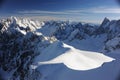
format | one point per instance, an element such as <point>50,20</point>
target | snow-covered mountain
<point>59,50</point>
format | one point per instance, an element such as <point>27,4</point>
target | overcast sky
<point>75,10</point>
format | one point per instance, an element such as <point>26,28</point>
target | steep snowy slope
<point>60,61</point>
<point>73,58</point>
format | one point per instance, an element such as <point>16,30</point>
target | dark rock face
<point>17,51</point>
<point>112,30</point>
<point>103,27</point>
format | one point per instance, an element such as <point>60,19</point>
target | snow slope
<point>94,44</point>
<point>75,59</point>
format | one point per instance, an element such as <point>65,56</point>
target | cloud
<point>105,10</point>
<point>41,12</point>
<point>102,10</point>
<point>97,10</point>
<point>84,14</point>
<point>49,12</point>
<point>45,18</point>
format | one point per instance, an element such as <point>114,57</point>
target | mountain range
<point>59,50</point>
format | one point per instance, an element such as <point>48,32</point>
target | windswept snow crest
<point>75,59</point>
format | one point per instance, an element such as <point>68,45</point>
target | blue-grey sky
<point>76,10</point>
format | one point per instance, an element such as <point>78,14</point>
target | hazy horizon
<point>73,10</point>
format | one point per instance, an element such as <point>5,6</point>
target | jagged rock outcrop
<point>112,44</point>
<point>103,28</point>
<point>18,48</point>
<point>112,30</point>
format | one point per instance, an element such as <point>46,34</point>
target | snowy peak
<point>14,19</point>
<point>105,23</point>
<point>106,20</point>
<point>22,25</point>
